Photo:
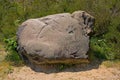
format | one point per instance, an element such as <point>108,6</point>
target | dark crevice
<point>74,54</point>
<point>70,32</point>
<point>25,58</point>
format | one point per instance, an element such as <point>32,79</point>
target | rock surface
<point>55,37</point>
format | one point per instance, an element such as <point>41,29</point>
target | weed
<point>11,48</point>
<point>101,49</point>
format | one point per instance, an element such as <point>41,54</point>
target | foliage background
<point>105,42</point>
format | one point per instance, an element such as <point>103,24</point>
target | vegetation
<point>106,37</point>
<point>102,49</point>
<point>12,55</point>
<point>112,64</point>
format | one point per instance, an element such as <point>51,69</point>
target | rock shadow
<point>57,68</point>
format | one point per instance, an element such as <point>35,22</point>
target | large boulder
<point>55,37</point>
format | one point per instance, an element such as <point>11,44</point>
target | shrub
<point>11,48</point>
<point>101,49</point>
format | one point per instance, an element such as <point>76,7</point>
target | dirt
<point>86,72</point>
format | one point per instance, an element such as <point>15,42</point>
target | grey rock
<point>55,37</point>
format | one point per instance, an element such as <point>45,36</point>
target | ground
<point>98,70</point>
<point>102,73</point>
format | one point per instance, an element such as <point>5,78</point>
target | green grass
<point>101,49</point>
<point>11,50</point>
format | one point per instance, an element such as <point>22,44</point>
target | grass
<point>5,69</point>
<point>2,52</point>
<point>112,64</point>
<point>1,46</point>
<point>12,54</point>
